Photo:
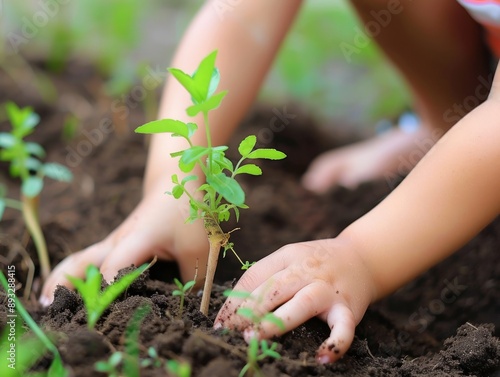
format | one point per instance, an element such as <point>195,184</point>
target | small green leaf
<point>57,369</point>
<point>57,172</point>
<point>210,104</point>
<point>193,154</point>
<point>2,207</point>
<point>189,178</point>
<point>32,164</point>
<point>35,149</point>
<point>177,191</point>
<point>189,285</point>
<point>237,294</point>
<point>32,186</point>
<point>267,153</point>
<point>188,83</point>
<point>228,187</point>
<point>271,317</point>
<point>7,140</point>
<point>175,127</point>
<point>204,76</point>
<point>247,145</point>
<point>214,82</point>
<point>192,127</point>
<point>249,169</point>
<point>247,313</point>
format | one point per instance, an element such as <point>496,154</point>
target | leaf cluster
<point>95,301</point>
<point>221,192</point>
<point>24,156</point>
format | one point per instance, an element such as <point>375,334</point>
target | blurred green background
<point>122,36</point>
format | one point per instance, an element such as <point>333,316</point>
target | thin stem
<point>209,139</point>
<point>14,204</point>
<point>30,215</point>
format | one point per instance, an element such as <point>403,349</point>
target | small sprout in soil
<point>182,292</point>
<point>126,363</point>
<point>37,347</point>
<point>96,302</point>
<point>24,158</point>
<point>153,359</point>
<point>178,368</point>
<point>221,193</point>
<point>257,350</point>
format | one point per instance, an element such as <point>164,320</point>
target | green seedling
<point>257,350</point>
<point>182,292</point>
<point>221,193</point>
<point>174,367</point>
<point>95,301</point>
<point>178,368</point>
<point>27,350</point>
<point>127,362</point>
<point>24,158</point>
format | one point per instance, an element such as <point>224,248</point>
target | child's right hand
<point>156,227</point>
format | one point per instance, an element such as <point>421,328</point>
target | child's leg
<point>438,49</point>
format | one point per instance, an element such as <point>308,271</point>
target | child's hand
<point>155,227</point>
<point>325,278</point>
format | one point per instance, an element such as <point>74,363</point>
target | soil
<point>445,323</point>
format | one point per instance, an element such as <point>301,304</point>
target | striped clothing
<point>487,13</point>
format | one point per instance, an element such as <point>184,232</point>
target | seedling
<point>24,158</point>
<point>182,292</point>
<point>37,346</point>
<point>129,359</point>
<point>178,368</point>
<point>257,350</point>
<point>95,301</point>
<point>221,193</point>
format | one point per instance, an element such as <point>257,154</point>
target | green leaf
<point>186,168</point>
<point>177,191</point>
<point>2,207</point>
<point>190,284</point>
<point>267,153</point>
<point>247,145</point>
<point>7,140</point>
<point>32,164</point>
<point>193,154</point>
<point>249,169</point>
<point>32,186</point>
<point>247,313</point>
<point>210,104</point>
<point>214,82</point>
<point>57,369</point>
<point>205,74</point>
<point>189,178</point>
<point>175,127</point>
<point>188,83</point>
<point>35,149</point>
<point>57,172</point>
<point>271,317</point>
<point>228,187</point>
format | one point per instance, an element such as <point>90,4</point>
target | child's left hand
<point>325,279</point>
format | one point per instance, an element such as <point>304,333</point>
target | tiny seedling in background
<point>24,158</point>
<point>95,301</point>
<point>257,350</point>
<point>129,358</point>
<point>221,192</point>
<point>178,368</point>
<point>182,292</point>
<point>37,346</point>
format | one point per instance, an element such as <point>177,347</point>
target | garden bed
<point>445,323</point>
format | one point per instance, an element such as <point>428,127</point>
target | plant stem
<point>217,238</point>
<point>14,204</point>
<point>30,215</point>
<point>209,140</point>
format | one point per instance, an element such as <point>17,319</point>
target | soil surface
<point>445,323</point>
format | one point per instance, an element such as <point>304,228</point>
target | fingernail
<point>217,325</point>
<point>323,359</point>
<point>44,301</point>
<point>249,334</point>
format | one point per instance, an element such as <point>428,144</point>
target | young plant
<point>182,292</point>
<point>221,193</point>
<point>257,350</point>
<point>178,368</point>
<point>27,350</point>
<point>95,301</point>
<point>129,358</point>
<point>24,158</point>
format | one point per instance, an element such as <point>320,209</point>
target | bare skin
<point>446,199</point>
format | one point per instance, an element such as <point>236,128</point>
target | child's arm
<point>448,198</point>
<point>247,35</point>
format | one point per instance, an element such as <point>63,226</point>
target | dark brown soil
<point>445,323</point>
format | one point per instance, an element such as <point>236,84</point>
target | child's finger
<point>342,322</point>
<point>73,265</point>
<point>310,301</point>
